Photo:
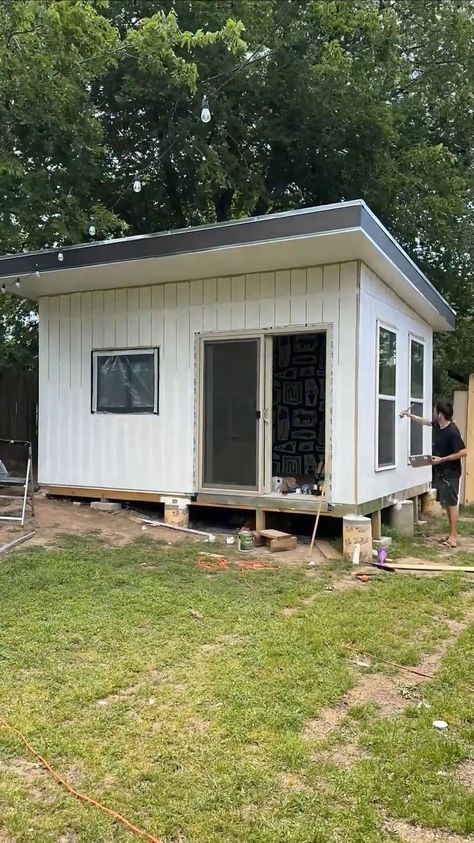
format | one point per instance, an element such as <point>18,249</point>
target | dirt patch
<point>431,662</point>
<point>23,769</point>
<point>342,755</point>
<point>6,838</point>
<point>196,726</point>
<point>290,781</point>
<point>465,773</point>
<point>68,837</point>
<point>54,518</point>
<point>33,775</point>
<point>372,688</point>
<point>416,834</point>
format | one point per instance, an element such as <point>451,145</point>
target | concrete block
<point>385,541</point>
<point>356,529</point>
<point>402,518</point>
<point>177,516</point>
<point>106,506</point>
<point>430,507</point>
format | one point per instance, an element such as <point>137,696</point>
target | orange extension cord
<point>81,796</point>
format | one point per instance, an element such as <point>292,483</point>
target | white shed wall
<point>156,452</point>
<point>378,303</point>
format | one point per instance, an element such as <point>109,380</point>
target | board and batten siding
<point>379,304</point>
<point>156,452</point>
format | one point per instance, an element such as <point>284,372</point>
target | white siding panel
<point>314,287</point>
<point>267,299</point>
<point>282,297</point>
<point>298,298</point>
<point>156,452</point>
<point>237,308</point>
<point>379,304</point>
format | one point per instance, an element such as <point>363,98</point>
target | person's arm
<point>418,419</point>
<point>459,450</point>
<point>459,455</point>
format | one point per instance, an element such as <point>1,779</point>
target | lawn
<point>186,700</point>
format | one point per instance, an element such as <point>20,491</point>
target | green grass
<point>202,734</point>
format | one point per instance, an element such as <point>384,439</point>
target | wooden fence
<point>19,407</point>
<point>464,418</point>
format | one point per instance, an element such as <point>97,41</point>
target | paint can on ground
<point>246,540</point>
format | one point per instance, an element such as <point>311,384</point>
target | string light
<point>4,289</point>
<point>137,185</point>
<point>17,283</point>
<point>37,273</point>
<point>60,257</point>
<point>205,112</point>
<point>92,230</point>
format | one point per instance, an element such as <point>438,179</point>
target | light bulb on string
<point>205,112</point>
<point>4,289</point>
<point>137,185</point>
<point>91,230</point>
<point>17,283</point>
<point>60,257</point>
<point>37,273</point>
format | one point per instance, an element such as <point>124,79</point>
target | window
<point>387,390</point>
<point>125,381</point>
<point>417,395</point>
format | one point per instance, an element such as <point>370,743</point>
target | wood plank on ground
<point>427,565</point>
<point>328,550</point>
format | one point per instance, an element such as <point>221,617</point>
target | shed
<point>205,363</point>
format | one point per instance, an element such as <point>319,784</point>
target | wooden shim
<point>433,568</point>
<point>328,550</point>
<point>6,547</point>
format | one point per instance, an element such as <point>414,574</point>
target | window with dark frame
<point>125,381</point>
<point>417,395</point>
<point>386,396</point>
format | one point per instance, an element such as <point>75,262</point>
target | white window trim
<point>129,352</point>
<point>378,395</point>
<point>411,339</point>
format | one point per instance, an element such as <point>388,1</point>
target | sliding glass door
<point>231,414</point>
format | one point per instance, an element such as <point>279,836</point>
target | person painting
<point>448,451</point>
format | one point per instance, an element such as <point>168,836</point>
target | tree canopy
<point>312,101</point>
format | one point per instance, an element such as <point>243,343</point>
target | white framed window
<point>386,396</point>
<point>125,380</point>
<point>417,394</point>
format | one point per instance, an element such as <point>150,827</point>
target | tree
<point>55,56</point>
<point>325,100</point>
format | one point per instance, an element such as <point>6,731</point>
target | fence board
<point>19,407</point>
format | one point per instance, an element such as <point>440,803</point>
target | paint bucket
<point>246,540</point>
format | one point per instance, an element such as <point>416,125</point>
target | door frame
<point>265,428</point>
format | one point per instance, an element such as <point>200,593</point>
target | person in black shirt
<point>448,451</point>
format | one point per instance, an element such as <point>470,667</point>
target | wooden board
<point>469,471</point>
<point>285,543</point>
<point>327,549</point>
<point>273,534</point>
<point>429,568</point>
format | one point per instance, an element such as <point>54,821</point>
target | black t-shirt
<point>446,441</point>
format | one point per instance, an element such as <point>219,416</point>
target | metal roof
<point>303,223</point>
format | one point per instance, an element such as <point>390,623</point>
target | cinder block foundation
<point>402,518</point>
<point>430,507</point>
<point>177,516</point>
<point>356,529</point>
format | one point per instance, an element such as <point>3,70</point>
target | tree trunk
<point>173,193</point>
<point>223,204</point>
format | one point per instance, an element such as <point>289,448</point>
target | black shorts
<point>446,484</point>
